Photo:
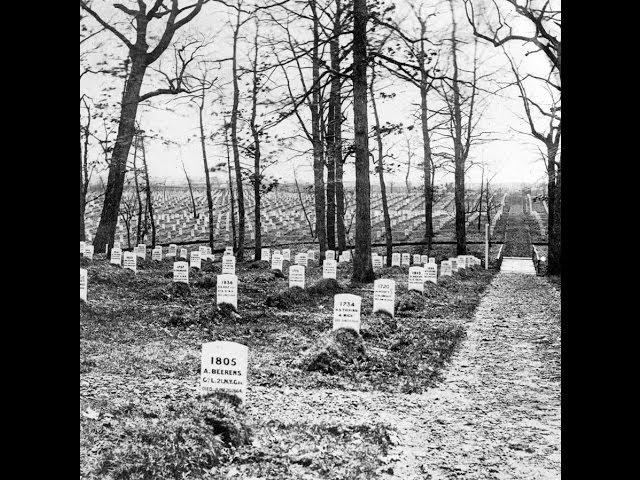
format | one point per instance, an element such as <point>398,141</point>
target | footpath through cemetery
<point>273,368</point>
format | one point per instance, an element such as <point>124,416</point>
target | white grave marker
<point>286,254</point>
<point>83,284</point>
<point>395,259</point>
<point>130,261</point>
<point>377,261</point>
<point>196,260</point>
<point>296,276</point>
<point>462,263</point>
<point>432,260</point>
<point>416,259</point>
<point>431,272</point>
<point>384,295</point>
<point>276,261</point>
<point>88,252</point>
<point>346,311</point>
<point>347,255</point>
<point>82,246</point>
<point>227,289</point>
<point>302,259</point>
<point>416,279</point>
<point>406,259</point>
<point>173,250</point>
<point>229,264</point>
<point>330,254</point>
<point>181,272</point>
<point>445,268</point>
<point>311,255</point>
<point>141,250</point>
<point>329,268</point>
<point>116,256</point>
<point>156,254</point>
<point>265,254</point>
<point>228,250</point>
<point>224,367</point>
<point>454,264</point>
<point>424,259</point>
<point>183,253</point>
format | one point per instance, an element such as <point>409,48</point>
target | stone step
<point>522,265</point>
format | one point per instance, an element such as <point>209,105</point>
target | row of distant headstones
<point>224,364</point>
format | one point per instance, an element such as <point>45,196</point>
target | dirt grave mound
<point>325,286</point>
<point>288,298</point>
<point>411,301</point>
<point>333,352</point>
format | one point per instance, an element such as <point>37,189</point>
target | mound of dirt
<point>333,352</point>
<point>260,264</point>
<point>432,290</point>
<point>207,282</point>
<point>84,262</point>
<point>325,286</point>
<point>287,298</point>
<point>178,290</point>
<point>411,301</point>
<point>380,325</point>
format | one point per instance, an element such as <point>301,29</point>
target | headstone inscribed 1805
<point>229,264</point>
<point>416,279</point>
<point>227,289</point>
<point>196,260</point>
<point>181,272</point>
<point>406,259</point>
<point>276,261</point>
<point>116,256</point>
<point>395,259</point>
<point>224,367</point>
<point>384,295</point>
<point>296,276</point>
<point>431,272</point>
<point>129,260</point>
<point>83,284</point>
<point>346,311</point>
<point>329,268</point>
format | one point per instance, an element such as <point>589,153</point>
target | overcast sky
<point>513,156</point>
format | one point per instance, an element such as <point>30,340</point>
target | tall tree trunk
<point>106,230</point>
<point>480,205</point>
<point>362,268</point>
<point>149,198</point>
<point>553,203</point>
<point>193,199</point>
<point>257,180</point>
<point>232,201</point>
<point>335,126</point>
<point>137,187</point>
<point>406,178</point>
<point>234,143</point>
<point>461,216</point>
<point>83,197</point>
<point>380,169</point>
<point>426,145</point>
<point>206,169</point>
<point>318,161</point>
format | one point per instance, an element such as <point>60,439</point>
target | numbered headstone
<point>424,259</point>
<point>406,259</point>
<point>196,260</point>
<point>416,279</point>
<point>395,259</point>
<point>296,276</point>
<point>141,251</point>
<point>384,295</point>
<point>286,254</point>
<point>183,253</point>
<point>227,289</point>
<point>181,272</point>
<point>88,252</point>
<point>431,272</point>
<point>130,261</point>
<point>83,284</point>
<point>224,367</point>
<point>116,256</point>
<point>265,254</point>
<point>445,268</point>
<point>156,254</point>
<point>454,264</point>
<point>302,259</point>
<point>416,259</point>
<point>329,269</point>
<point>346,311</point>
<point>276,261</point>
<point>173,250</point>
<point>229,264</point>
<point>330,254</point>
<point>377,261</point>
<point>347,255</point>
